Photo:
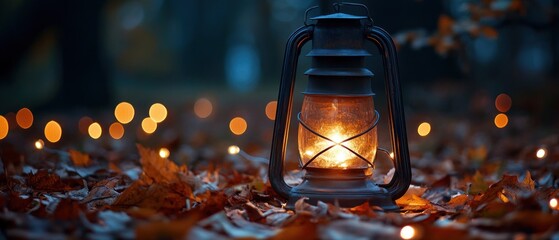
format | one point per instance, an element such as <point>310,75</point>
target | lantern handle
<point>283,111</point>
<point>399,184</point>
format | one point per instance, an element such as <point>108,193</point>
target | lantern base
<point>346,188</point>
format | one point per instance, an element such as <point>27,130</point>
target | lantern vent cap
<point>339,16</point>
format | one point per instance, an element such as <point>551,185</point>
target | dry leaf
<point>79,159</point>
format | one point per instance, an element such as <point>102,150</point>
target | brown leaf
<point>79,159</point>
<point>67,209</point>
<point>157,168</point>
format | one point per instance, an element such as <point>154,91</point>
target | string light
<point>541,153</point>
<point>95,130</point>
<point>407,232</point>
<point>238,125</point>
<point>553,203</point>
<point>4,127</point>
<point>501,120</point>
<point>116,130</point>
<point>24,118</point>
<point>203,108</point>
<point>124,112</point>
<point>164,152</point>
<point>271,110</point>
<point>39,144</point>
<point>158,112</point>
<point>503,102</point>
<point>233,149</point>
<point>424,129</point>
<point>53,131</point>
<point>148,125</point>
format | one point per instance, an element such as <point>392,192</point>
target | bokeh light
<point>424,129</point>
<point>39,144</point>
<point>124,112</point>
<point>4,127</point>
<point>24,118</point>
<point>203,108</point>
<point>553,203</point>
<point>95,130</point>
<point>271,110</point>
<point>503,102</point>
<point>164,152</point>
<point>116,130</point>
<point>158,112</point>
<point>541,153</point>
<point>233,149</point>
<point>148,125</point>
<point>53,131</point>
<point>501,120</point>
<point>407,232</point>
<point>238,125</point>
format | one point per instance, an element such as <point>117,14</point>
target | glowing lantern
<point>337,136</point>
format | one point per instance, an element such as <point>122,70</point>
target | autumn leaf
<point>478,184</point>
<point>79,159</point>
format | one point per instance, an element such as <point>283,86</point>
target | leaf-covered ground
<point>470,181</point>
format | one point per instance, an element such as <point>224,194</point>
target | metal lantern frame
<point>346,187</point>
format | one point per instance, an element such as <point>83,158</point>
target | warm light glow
<point>39,144</point>
<point>148,125</point>
<point>233,149</point>
<point>424,129</point>
<point>95,130</point>
<point>4,127</point>
<point>164,152</point>
<point>271,110</point>
<point>338,119</point>
<point>392,155</point>
<point>116,130</point>
<point>124,112</point>
<point>501,120</point>
<point>53,131</point>
<point>158,112</point>
<point>238,125</point>
<point>541,153</point>
<point>203,108</point>
<point>503,102</point>
<point>553,203</point>
<point>24,118</point>
<point>407,232</point>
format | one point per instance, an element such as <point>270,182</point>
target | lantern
<point>337,135</point>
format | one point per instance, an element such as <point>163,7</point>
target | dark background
<point>92,54</point>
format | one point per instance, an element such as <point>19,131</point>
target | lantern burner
<point>339,142</point>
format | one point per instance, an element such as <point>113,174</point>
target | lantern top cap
<point>339,16</point>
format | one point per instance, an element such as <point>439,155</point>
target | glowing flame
<point>541,153</point>
<point>4,127</point>
<point>238,125</point>
<point>148,125</point>
<point>95,130</point>
<point>271,110</point>
<point>158,112</point>
<point>407,232</point>
<point>53,131</point>
<point>39,144</point>
<point>203,108</point>
<point>24,118</point>
<point>233,150</point>
<point>424,129</point>
<point>116,130</point>
<point>164,152</point>
<point>124,112</point>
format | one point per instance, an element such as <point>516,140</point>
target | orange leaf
<point>79,159</point>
